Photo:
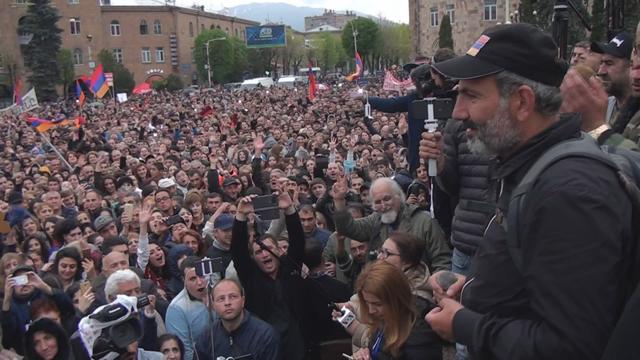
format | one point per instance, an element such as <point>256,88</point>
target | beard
<point>497,136</point>
<point>389,217</point>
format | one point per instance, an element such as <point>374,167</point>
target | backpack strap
<point>585,146</point>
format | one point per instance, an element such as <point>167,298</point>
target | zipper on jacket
<point>231,341</point>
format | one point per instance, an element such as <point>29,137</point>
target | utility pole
<point>206,45</point>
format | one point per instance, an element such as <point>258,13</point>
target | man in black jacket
<point>573,228</point>
<point>274,287</point>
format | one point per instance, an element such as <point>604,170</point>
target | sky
<point>397,11</point>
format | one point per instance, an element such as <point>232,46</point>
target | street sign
<point>109,78</point>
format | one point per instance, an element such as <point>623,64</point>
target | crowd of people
<point>131,202</point>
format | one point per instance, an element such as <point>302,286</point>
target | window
<point>191,29</point>
<point>226,30</point>
<point>115,28</point>
<point>105,2</point>
<point>77,56</point>
<point>201,27</point>
<point>146,55</point>
<point>160,55</point>
<point>21,1</point>
<point>212,27</point>
<point>490,9</point>
<point>236,32</point>
<point>193,55</point>
<point>451,11</point>
<point>117,55</point>
<point>144,29</point>
<point>74,25</point>
<point>74,2</point>
<point>434,16</point>
<point>157,27</point>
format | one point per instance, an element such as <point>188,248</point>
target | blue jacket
<point>401,104</point>
<point>188,320</point>
<point>254,337</point>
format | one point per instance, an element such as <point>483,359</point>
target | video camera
<point>118,328</point>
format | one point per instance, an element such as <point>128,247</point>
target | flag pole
<point>55,149</point>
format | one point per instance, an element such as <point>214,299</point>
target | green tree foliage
<point>329,51</point>
<point>445,35</point>
<point>368,33</point>
<point>122,78</point>
<point>598,30</point>
<point>292,55</point>
<point>174,82</point>
<point>65,67</point>
<point>395,44</point>
<point>261,61</point>
<point>540,13</point>
<point>228,57</point>
<point>40,23</point>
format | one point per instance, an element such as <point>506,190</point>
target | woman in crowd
<point>68,268</point>
<point>193,240</point>
<point>171,347</point>
<point>36,244</point>
<point>392,318</point>
<point>47,340</point>
<point>195,202</point>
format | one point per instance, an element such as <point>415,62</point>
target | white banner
<point>122,97</point>
<point>29,102</point>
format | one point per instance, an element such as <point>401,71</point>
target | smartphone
<point>207,267</point>
<point>174,219</point>
<point>86,253</point>
<point>127,211</point>
<point>84,286</point>
<point>21,280</point>
<point>266,207</point>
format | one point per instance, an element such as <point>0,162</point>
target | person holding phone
<point>21,289</point>
<point>272,281</point>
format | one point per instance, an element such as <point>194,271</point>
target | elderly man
<point>126,282</point>
<point>535,290</point>
<point>391,214</point>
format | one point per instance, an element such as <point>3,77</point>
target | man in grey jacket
<point>391,214</point>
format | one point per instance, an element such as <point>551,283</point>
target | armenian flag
<point>359,69</point>
<point>80,94</point>
<point>17,90</point>
<point>40,125</point>
<point>98,82</point>
<point>312,83</point>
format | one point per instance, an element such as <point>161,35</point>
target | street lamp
<point>206,45</point>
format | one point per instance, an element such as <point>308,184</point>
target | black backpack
<point>626,164</point>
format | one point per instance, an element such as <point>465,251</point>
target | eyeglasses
<point>384,253</point>
<point>163,198</point>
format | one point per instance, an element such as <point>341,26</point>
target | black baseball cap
<point>621,46</point>
<point>523,49</point>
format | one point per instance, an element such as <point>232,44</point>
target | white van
<point>266,82</point>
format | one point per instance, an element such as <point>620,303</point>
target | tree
<point>445,35</point>
<point>65,67</point>
<point>39,24</point>
<point>174,82</point>
<point>291,54</point>
<point>395,44</point>
<point>227,57</point>
<point>598,27</point>
<point>122,78</point>
<point>368,33</point>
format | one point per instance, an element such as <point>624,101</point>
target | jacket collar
<point>567,127</point>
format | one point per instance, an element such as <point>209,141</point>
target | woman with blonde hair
<point>392,317</point>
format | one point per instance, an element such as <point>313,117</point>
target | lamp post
<point>206,45</point>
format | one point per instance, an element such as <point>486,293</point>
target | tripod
<point>561,24</point>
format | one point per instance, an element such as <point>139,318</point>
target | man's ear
<point>522,102</point>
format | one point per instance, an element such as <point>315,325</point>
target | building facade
<point>469,18</point>
<point>329,17</point>
<point>151,41</point>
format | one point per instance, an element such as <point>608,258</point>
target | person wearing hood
<point>176,255</point>
<point>17,300</point>
<point>47,340</point>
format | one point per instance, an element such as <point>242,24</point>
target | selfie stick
<point>367,106</point>
<point>431,125</point>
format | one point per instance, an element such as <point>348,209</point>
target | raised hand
<point>145,213</point>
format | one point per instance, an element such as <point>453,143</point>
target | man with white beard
<point>391,214</point>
